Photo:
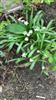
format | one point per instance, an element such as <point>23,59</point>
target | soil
<point>23,84</point>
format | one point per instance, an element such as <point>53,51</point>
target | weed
<point>33,40</point>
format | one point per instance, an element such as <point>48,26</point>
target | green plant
<point>35,42</point>
<point>48,1</point>
<point>38,1</point>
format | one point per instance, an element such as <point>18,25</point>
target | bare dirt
<point>23,84</point>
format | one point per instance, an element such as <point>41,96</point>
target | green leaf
<point>16,28</point>
<point>53,68</point>
<point>19,60</point>
<point>45,73</point>
<point>10,45</point>
<point>19,47</point>
<point>32,52</point>
<point>51,60</point>
<point>49,24</point>
<point>32,65</point>
<point>42,41</point>
<point>54,56</point>
<point>48,1</point>
<point>37,17</point>
<point>46,54</point>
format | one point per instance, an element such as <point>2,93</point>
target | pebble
<point>0,89</point>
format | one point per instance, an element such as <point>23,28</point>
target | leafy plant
<point>35,42</point>
<point>38,1</point>
<point>48,1</point>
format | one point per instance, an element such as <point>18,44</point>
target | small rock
<point>0,89</point>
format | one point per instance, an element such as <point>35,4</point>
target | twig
<point>20,7</point>
<point>41,97</point>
